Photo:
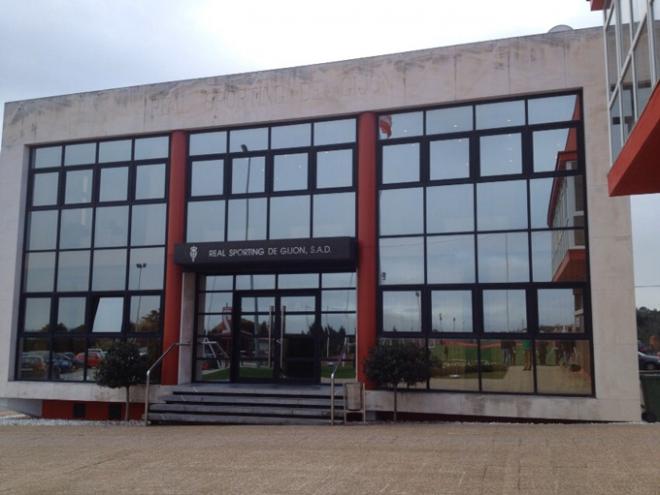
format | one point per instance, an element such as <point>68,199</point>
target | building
<point>456,197</point>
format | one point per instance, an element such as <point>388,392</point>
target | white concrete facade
<point>517,66</point>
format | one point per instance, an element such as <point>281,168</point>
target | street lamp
<point>139,266</point>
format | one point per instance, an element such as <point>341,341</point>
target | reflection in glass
<point>559,256</point>
<point>217,282</point>
<point>563,367</point>
<point>402,311</point>
<point>111,226</point>
<point>153,147</point>
<point>244,282</point>
<point>334,168</point>
<point>108,315</point>
<point>611,52</point>
<point>68,359</point>
<point>289,217</point>
<point>555,150</point>
<point>502,205</point>
<point>43,230</point>
<point>501,154</point>
<point>44,190</point>
<point>34,358</point>
<point>260,305</point>
<point>561,310</point>
<point>255,224</point>
<point>109,270</point>
<point>95,354</point>
<point>248,175</point>
<point>503,257</point>
<point>400,163</point>
<point>295,304</point>
<point>401,260</point>
<point>206,177</point>
<point>505,311</point>
<point>502,114</point>
<point>50,156</point>
<point>615,127</point>
<point>401,211</point>
<point>73,271</point>
<point>144,314</point>
<point>115,151</point>
<point>329,280</point>
<point>290,172</point>
<point>214,324</point>
<point>643,68</point>
<point>78,187</point>
<point>627,102</point>
<point>214,302</point>
<point>298,325</point>
<point>149,348</point>
<point>338,325</point>
<point>207,143</point>
<point>455,364</point>
<point>114,184</point>
<point>334,215</point>
<point>76,228</point>
<point>39,272</point>
<point>79,154</point>
<point>450,259</point>
<point>334,132</point>
<point>450,209</point>
<point>206,221</point>
<point>450,159</point>
<point>146,269</point>
<point>71,314</point>
<point>148,224</point>
<point>150,181</point>
<point>290,136</point>
<point>297,280</point>
<point>451,311</point>
<point>553,109</point>
<point>506,366</point>
<point>36,314</point>
<point>338,300</point>
<point>557,202</point>
<point>400,125</point>
<point>252,139</point>
<point>446,120</point>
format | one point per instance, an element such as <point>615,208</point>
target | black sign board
<point>286,255</point>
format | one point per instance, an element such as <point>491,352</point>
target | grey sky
<point>68,46</point>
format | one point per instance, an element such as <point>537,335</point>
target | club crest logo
<point>193,253</point>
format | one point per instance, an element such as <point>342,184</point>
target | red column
<point>175,235</point>
<point>367,276</point>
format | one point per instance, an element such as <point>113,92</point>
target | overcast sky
<point>51,47</point>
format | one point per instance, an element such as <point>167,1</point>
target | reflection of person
<point>566,348</point>
<point>507,347</point>
<point>527,347</point>
<point>543,352</point>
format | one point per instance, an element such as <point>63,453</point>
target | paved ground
<point>410,458</point>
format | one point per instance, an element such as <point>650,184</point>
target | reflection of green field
<point>222,374</point>
<point>261,373</point>
<point>461,361</point>
<point>343,372</point>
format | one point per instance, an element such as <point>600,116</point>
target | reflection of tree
<point>147,323</point>
<point>61,327</point>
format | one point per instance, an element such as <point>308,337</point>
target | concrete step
<point>248,400</point>
<point>259,411</point>
<point>228,419</point>
<point>318,391</point>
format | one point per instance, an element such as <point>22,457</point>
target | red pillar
<point>367,276</point>
<point>175,235</point>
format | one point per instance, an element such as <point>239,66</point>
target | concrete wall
<point>515,66</point>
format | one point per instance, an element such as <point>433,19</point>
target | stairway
<point>247,404</point>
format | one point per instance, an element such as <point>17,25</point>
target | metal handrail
<point>342,356</point>
<point>148,378</point>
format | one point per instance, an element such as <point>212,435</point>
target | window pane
<point>563,367</point>
<point>80,154</point>
<point>643,69</point>
<point>50,156</point>
<point>627,103</point>
<point>456,364</point>
<point>155,147</point>
<point>114,184</point>
<point>144,314</point>
<point>76,228</point>
<point>39,272</point>
<point>289,217</point>
<point>561,310</point>
<point>503,257</point>
<point>95,354</point>
<point>402,311</point>
<point>298,281</point>
<point>505,311</point>
<point>506,366</point>
<point>291,136</point>
<point>108,315</point>
<point>71,314</point>
<point>207,143</point>
<point>334,132</point>
<point>555,150</point>
<point>338,280</point>
<point>292,304</point>
<point>450,209</point>
<point>44,190</point>
<point>624,12</point>
<point>207,178</point>
<point>73,271</point>
<point>502,205</point>
<point>401,125</point>
<point>43,230</point>
<point>559,256</point>
<point>244,282</point>
<point>450,159</point>
<point>615,127</point>
<point>610,46</point>
<point>401,211</point>
<point>34,358</point>
<point>214,302</point>
<point>501,154</point>
<point>334,323</point>
<point>450,259</point>
<point>78,187</point>
<point>111,226</point>
<point>334,168</point>
<point>219,282</point>
<point>451,311</point>
<point>553,109</point>
<point>248,175</point>
<point>66,366</point>
<point>146,269</point>
<point>206,221</point>
<point>244,140</point>
<point>150,181</point>
<point>109,272</point>
<point>557,202</point>
<point>37,314</point>
<point>290,172</point>
<point>115,151</point>
<point>255,224</point>
<point>402,260</point>
<point>334,215</point>
<point>400,163</point>
<point>338,300</point>
<point>446,120</point>
<point>148,225</point>
<point>503,114</point>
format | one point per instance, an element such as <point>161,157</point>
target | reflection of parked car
<point>63,363</point>
<point>94,358</point>
<point>33,366</point>
<point>648,361</point>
